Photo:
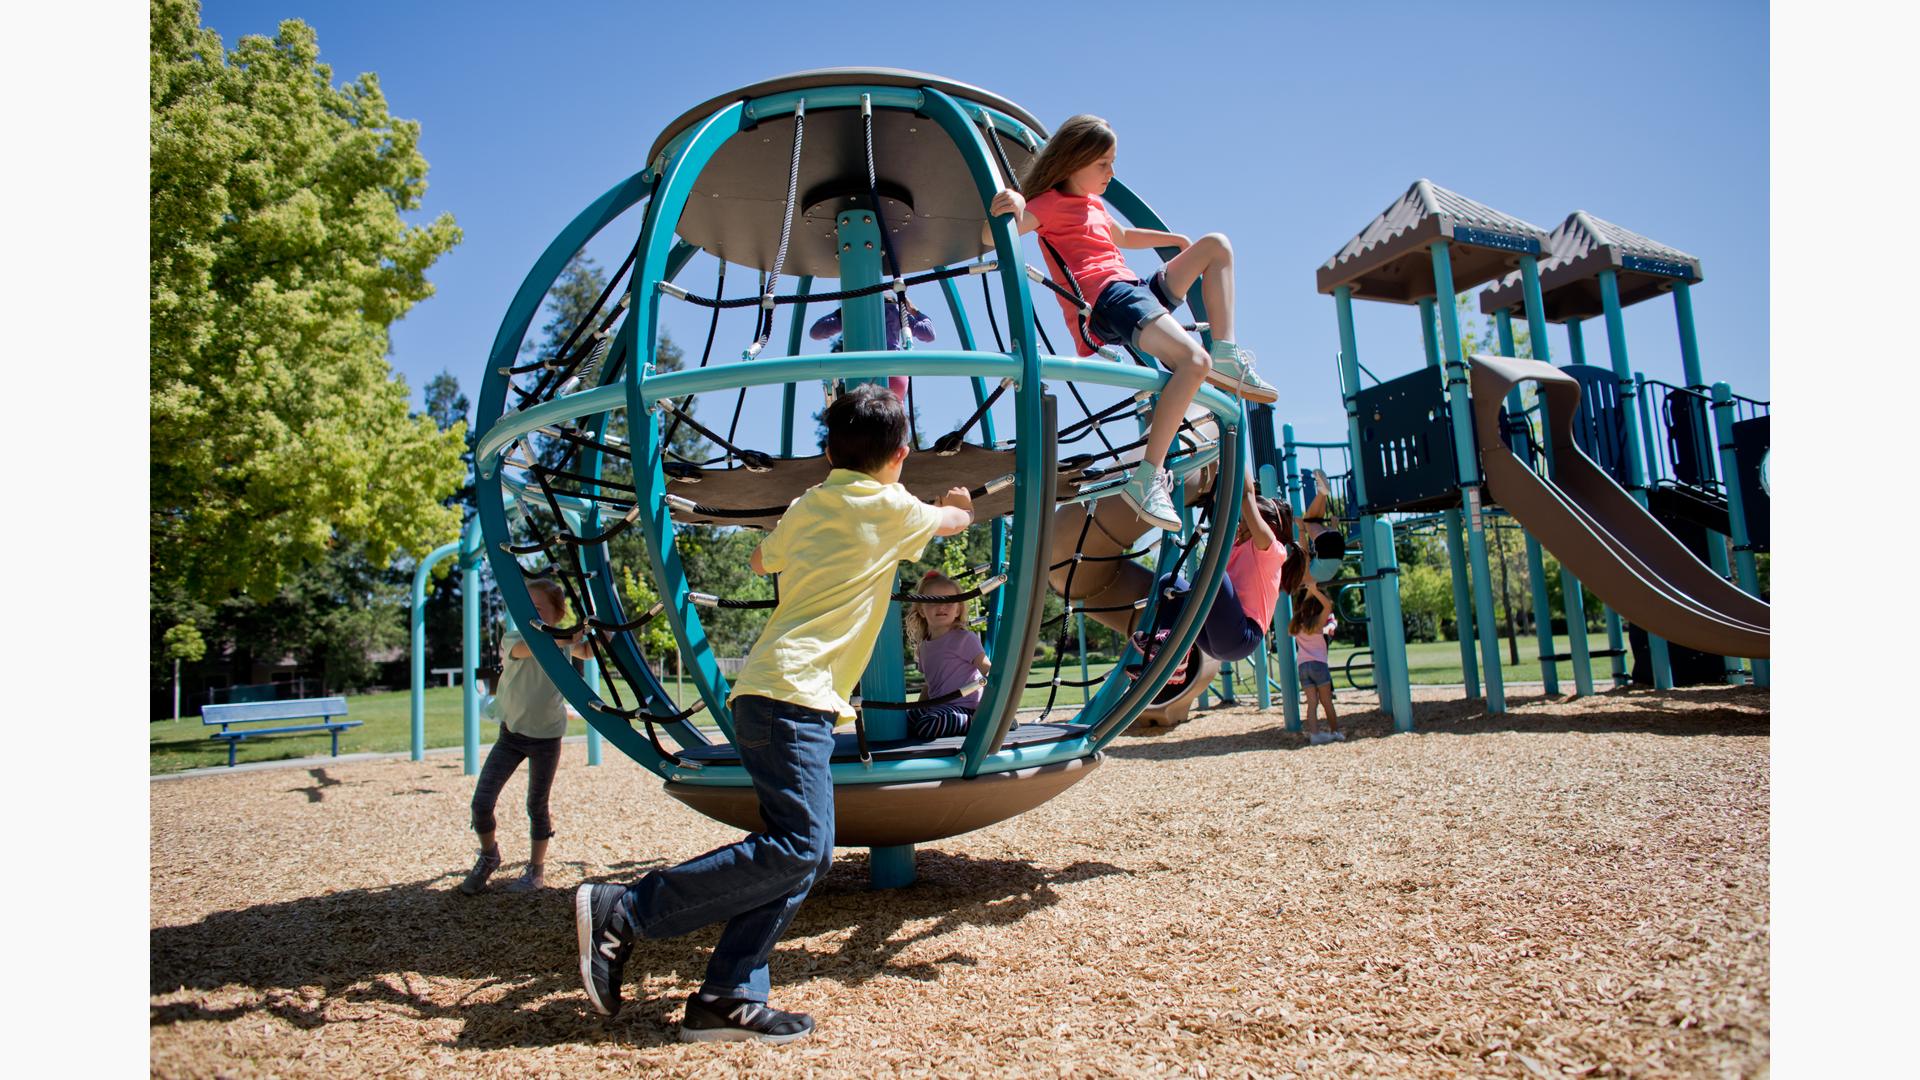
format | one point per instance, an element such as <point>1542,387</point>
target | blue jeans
<point>756,884</point>
<point>1227,633</point>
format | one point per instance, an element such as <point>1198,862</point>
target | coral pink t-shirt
<point>1081,230</point>
<point>1256,579</point>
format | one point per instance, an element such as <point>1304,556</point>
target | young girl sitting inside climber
<point>1060,199</point>
<point>949,655</point>
<point>1262,567</point>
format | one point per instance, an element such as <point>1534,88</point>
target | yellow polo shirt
<point>837,551</point>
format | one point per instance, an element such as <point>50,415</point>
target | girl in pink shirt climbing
<point>1060,198</point>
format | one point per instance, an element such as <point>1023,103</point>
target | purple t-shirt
<point>1313,647</point>
<point>948,663</point>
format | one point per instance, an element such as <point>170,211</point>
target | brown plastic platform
<point>888,815</point>
<point>1599,532</point>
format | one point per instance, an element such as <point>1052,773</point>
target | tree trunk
<point>176,689</point>
<point>1506,601</point>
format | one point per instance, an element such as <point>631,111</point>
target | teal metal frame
<point>1015,611</point>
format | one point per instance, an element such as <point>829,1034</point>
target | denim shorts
<point>1315,673</point>
<point>1123,307</point>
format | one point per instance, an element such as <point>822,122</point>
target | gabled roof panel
<point>1578,250</point>
<point>1390,260</point>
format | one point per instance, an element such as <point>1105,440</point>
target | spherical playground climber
<point>880,179</point>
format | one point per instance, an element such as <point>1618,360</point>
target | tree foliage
<point>279,258</point>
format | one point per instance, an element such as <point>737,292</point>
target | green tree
<point>278,261</point>
<point>446,405</point>
<point>182,642</point>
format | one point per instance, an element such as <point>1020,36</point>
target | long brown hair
<point>1309,615</point>
<point>1279,518</point>
<point>1078,143</point>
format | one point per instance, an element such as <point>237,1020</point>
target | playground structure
<point>1456,438</point>
<point>880,179</point>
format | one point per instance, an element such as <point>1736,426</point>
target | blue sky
<point>1286,126</point>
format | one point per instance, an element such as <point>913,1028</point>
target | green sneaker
<point>1149,494</point>
<point>1233,372</point>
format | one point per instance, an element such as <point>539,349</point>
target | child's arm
<point>758,566</point>
<point>1129,237</point>
<point>956,513</point>
<point>1256,525</point>
<point>1012,202</point>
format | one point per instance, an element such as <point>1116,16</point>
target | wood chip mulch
<point>1577,888</point>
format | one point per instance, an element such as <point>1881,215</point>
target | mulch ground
<point>1578,888</point>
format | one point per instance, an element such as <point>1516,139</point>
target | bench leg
<point>233,745</point>
<point>336,741</point>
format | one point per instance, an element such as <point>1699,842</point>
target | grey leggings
<point>542,756</point>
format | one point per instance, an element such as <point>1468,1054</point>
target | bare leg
<point>537,861</point>
<point>487,846</point>
<point>1313,701</point>
<point>1210,260</point>
<point>1326,703</point>
<point>1163,340</point>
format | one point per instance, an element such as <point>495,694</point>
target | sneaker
<point>476,878</point>
<point>531,881</point>
<point>740,1020</point>
<point>605,941</point>
<point>1233,372</point>
<point>1149,493</point>
<point>1149,646</point>
<point>1319,738</point>
<point>1336,736</point>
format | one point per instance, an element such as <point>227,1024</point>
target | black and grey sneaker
<point>740,1020</point>
<point>476,878</point>
<point>605,940</point>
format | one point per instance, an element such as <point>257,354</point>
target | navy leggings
<point>1227,633</point>
<point>509,750</point>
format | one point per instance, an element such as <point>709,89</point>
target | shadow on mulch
<point>356,954</point>
<point>1695,711</point>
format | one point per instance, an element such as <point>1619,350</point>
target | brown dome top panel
<point>930,205</point>
<point>1578,250</point>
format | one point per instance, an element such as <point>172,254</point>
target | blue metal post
<point>1690,368</point>
<point>863,324</point>
<point>470,543</point>
<point>1570,591</point>
<point>1576,343</point>
<point>1289,670</point>
<point>1086,688</point>
<point>1736,509</point>
<point>1456,535</point>
<point>1468,468</point>
<point>1630,416</point>
<point>787,393</point>
<point>590,671</point>
<point>417,623</point>
<point>1536,566</point>
<point>1394,645</point>
<point>1380,630</point>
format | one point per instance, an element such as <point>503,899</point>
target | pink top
<point>1079,227</point>
<point>1313,647</point>
<point>1256,579</point>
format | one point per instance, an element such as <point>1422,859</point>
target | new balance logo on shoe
<point>610,945</point>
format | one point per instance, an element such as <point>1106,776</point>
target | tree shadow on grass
<point>1692,712</point>
<point>363,955</point>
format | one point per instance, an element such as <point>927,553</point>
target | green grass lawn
<point>174,746</point>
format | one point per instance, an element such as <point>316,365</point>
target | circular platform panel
<point>888,815</point>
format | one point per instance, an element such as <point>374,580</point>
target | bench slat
<point>339,725</point>
<point>249,712</point>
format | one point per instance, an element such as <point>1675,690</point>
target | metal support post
<point>1467,468</point>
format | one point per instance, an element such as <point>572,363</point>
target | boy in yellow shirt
<point>837,550</point>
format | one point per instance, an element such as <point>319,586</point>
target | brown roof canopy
<point>1580,248</point>
<point>928,199</point>
<point>1390,260</point>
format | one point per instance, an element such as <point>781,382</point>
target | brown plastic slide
<point>1599,532</point>
<point>1100,581</point>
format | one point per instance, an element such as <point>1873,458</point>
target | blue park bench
<point>262,712</point>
